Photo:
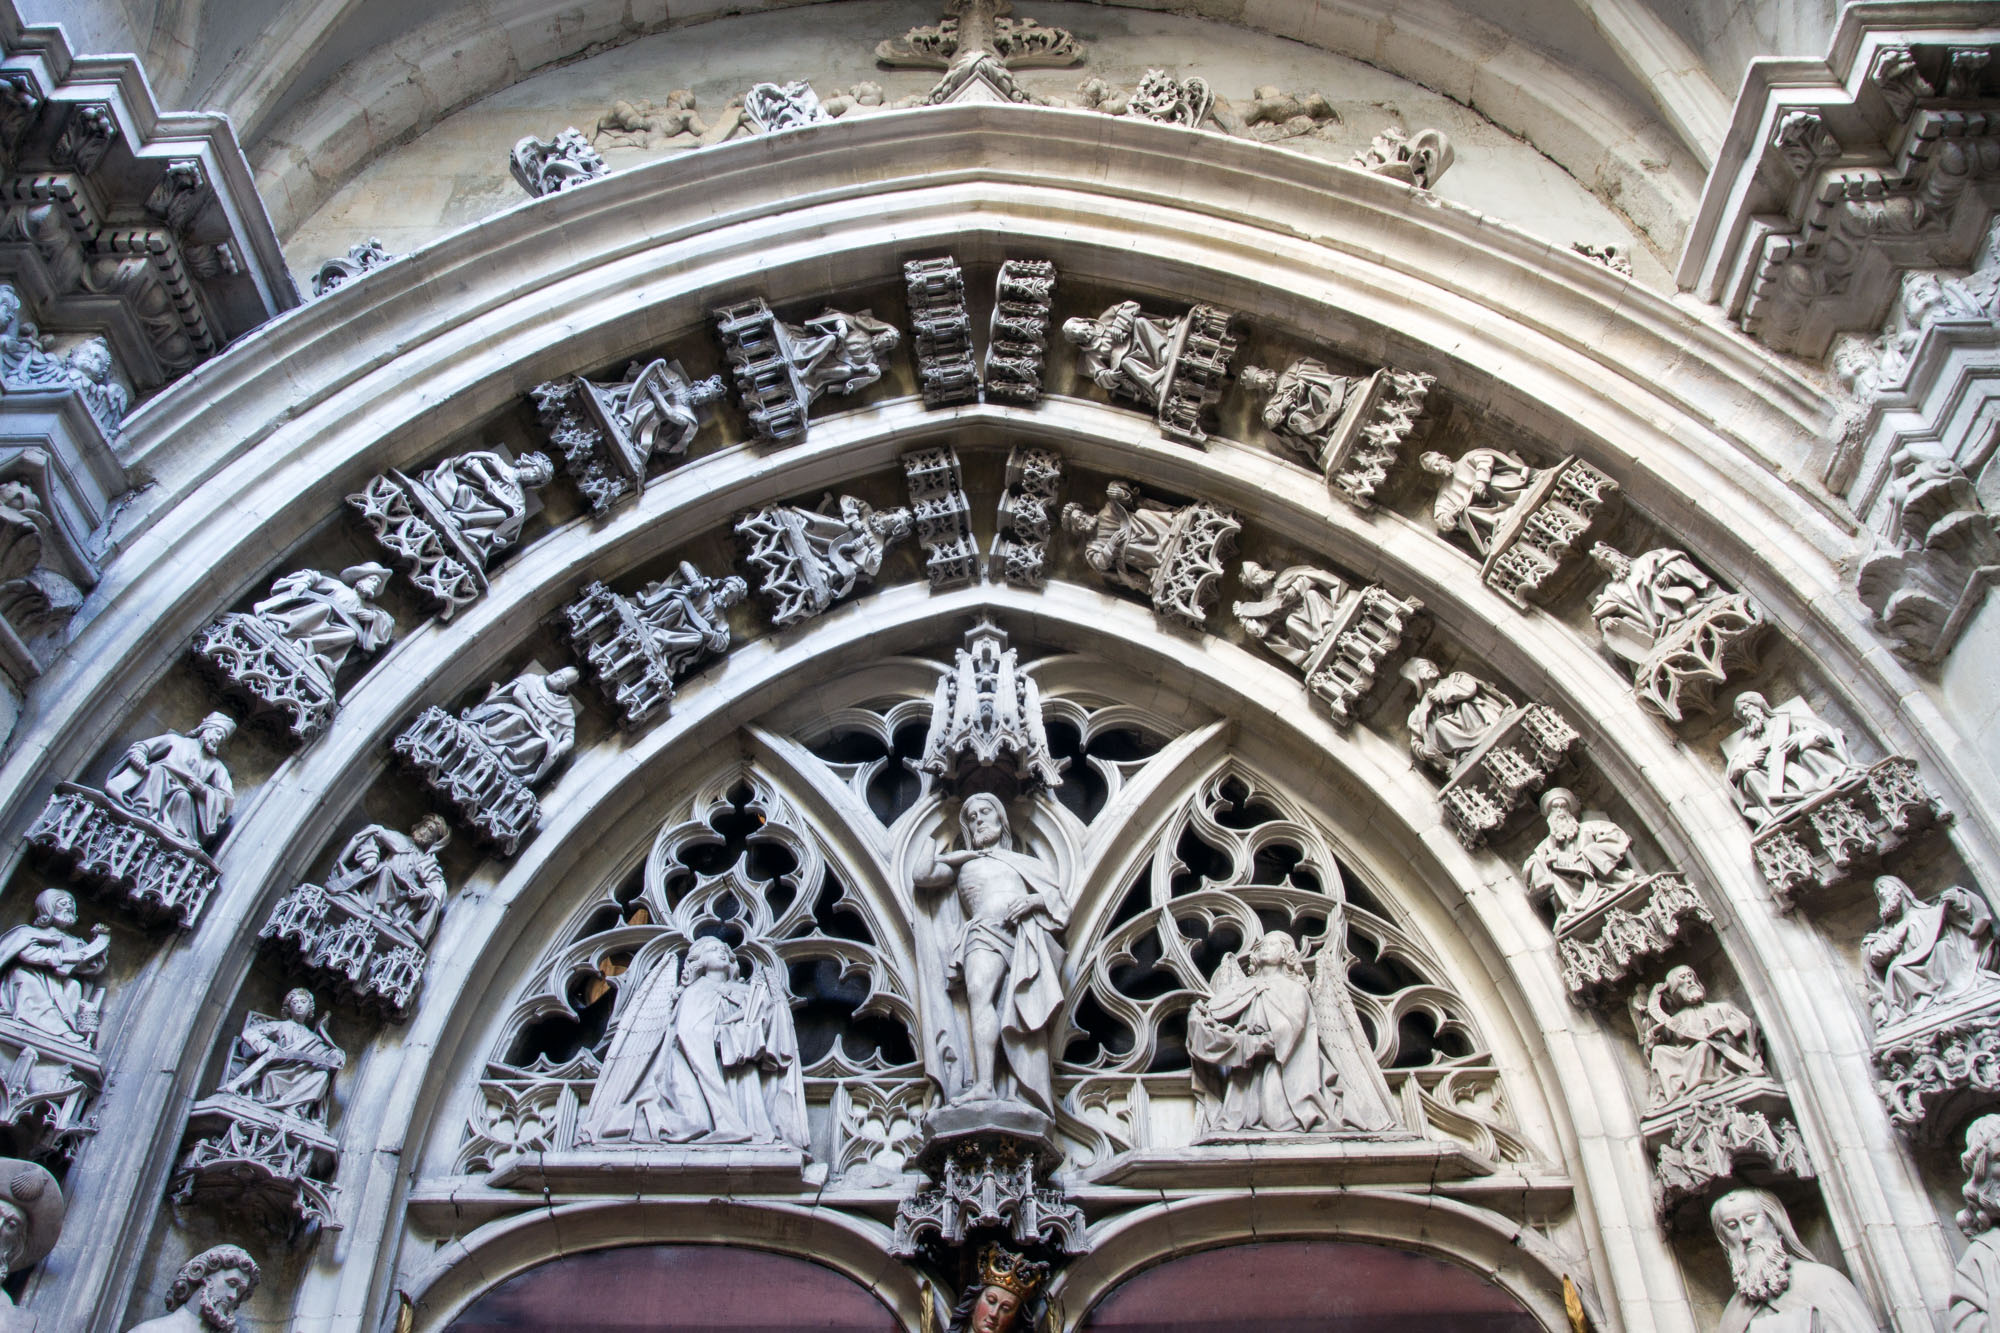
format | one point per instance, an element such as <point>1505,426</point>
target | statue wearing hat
<point>179,782</point>
<point>1007,1294</point>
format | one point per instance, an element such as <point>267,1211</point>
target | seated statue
<point>701,1057</point>
<point>529,722</point>
<point>1126,352</point>
<point>1926,954</point>
<point>395,875</point>
<point>684,614</point>
<point>658,406</point>
<point>1782,758</point>
<point>39,969</point>
<point>1582,862</point>
<point>1696,1043</point>
<point>1295,611</point>
<point>840,353</point>
<point>290,1065</point>
<point>1477,493</point>
<point>1305,402</point>
<point>486,495</point>
<point>1127,539</point>
<point>1454,715</point>
<point>1648,595</point>
<point>178,782</point>
<point>329,619</point>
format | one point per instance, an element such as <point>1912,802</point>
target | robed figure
<point>1646,596</point>
<point>701,1056</point>
<point>1305,403</point>
<point>329,619</point>
<point>396,875</point>
<point>289,1063</point>
<point>1924,954</point>
<point>1295,610</point>
<point>1691,1042</point>
<point>487,496</point>
<point>1453,716</point>
<point>40,967</point>
<point>178,782</point>
<point>1126,540</point>
<point>840,353</point>
<point>1782,758</point>
<point>1476,493</point>
<point>1127,352</point>
<point>529,722</point>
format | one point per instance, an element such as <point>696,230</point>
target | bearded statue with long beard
<point>1779,1285</point>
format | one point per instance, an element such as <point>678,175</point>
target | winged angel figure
<point>700,1056</point>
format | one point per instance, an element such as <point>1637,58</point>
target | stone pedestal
<point>1939,1066</point>
<point>943,330</point>
<point>422,540</point>
<point>942,515</point>
<point>1702,1142</point>
<point>1366,443</point>
<point>1017,337</point>
<point>245,1159</point>
<point>1696,656</point>
<point>984,1159</point>
<point>1601,947</point>
<point>464,773</point>
<point>251,662</point>
<point>369,961</point>
<point>759,350</point>
<point>1515,761</point>
<point>104,846</point>
<point>1027,514</point>
<point>48,1091</point>
<point>1843,829</point>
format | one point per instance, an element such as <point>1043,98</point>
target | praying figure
<point>1477,493</point>
<point>1005,953</point>
<point>1128,353</point>
<point>1780,1287</point>
<point>1582,862</point>
<point>1782,758</point>
<point>289,1065</point>
<point>701,1056</point>
<point>1691,1042</point>
<point>178,782</point>
<point>40,970</point>
<point>1273,1054</point>
<point>1975,1288</point>
<point>328,619</point>
<point>1295,609</point>
<point>1648,595</point>
<point>395,875</point>
<point>487,496</point>
<point>529,722</point>
<point>1454,714</point>
<point>1926,954</point>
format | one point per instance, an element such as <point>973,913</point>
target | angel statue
<point>1273,1054</point>
<point>700,1056</point>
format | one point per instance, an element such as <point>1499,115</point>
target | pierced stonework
<point>550,166</point>
<point>445,526</point>
<point>1017,336</point>
<point>367,932</point>
<point>284,657</point>
<point>987,1169</point>
<point>1027,514</point>
<point>808,559</point>
<point>1937,553</point>
<point>258,1146</point>
<point>1492,753</point>
<point>770,107</point>
<point>942,516</point>
<point>1680,633</point>
<point>1934,997</point>
<point>1817,816</point>
<point>986,719</point>
<point>609,431</point>
<point>635,648</point>
<point>51,1072</point>
<point>943,329</point>
<point>335,273</point>
<point>1611,917</point>
<point>1351,430</point>
<point>142,837</point>
<point>1521,521</point>
<point>1712,1108</point>
<point>1337,633</point>
<point>485,764</point>
<point>782,369</point>
<point>1173,555</point>
<point>1418,160</point>
<point>1174,366</point>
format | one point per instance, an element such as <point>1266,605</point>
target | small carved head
<point>1255,577</point>
<point>1277,949</point>
<point>92,359</point>
<point>1981,1161</point>
<point>1435,463</point>
<point>431,833</point>
<point>562,679</point>
<point>55,907</point>
<point>1078,521</point>
<point>1756,1233</point>
<point>10,305</point>
<point>1421,672</point>
<point>534,470</point>
<point>709,954</point>
<point>214,731</point>
<point>223,1277</point>
<point>730,590</point>
<point>890,524</point>
<point>1892,896</point>
<point>366,579</point>
<point>1611,560</point>
<point>1257,380</point>
<point>1684,984</point>
<point>1559,809</point>
<point>299,1005</point>
<point>1751,710</point>
<point>1085,333</point>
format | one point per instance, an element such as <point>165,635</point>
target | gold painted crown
<point>1003,1268</point>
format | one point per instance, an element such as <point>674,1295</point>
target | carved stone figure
<point>1420,160</point>
<point>650,125</point>
<point>1693,1043</point>
<point>1975,1288</point>
<point>1336,634</point>
<point>27,366</point>
<point>979,46</point>
<point>942,516</point>
<point>635,648</point>
<point>50,1012</point>
<point>808,559</point>
<point>1492,753</point>
<point>700,1056</point>
<point>259,1143</point>
<point>1477,493</point>
<point>1017,335</point>
<point>1612,255</point>
<point>770,107</point>
<point>1927,954</point>
<point>782,368</point>
<point>446,526</point>
<point>368,930</point>
<point>1937,552</point>
<point>986,718</point>
<point>1027,513</point>
<point>1004,1297</point>
<point>1275,1055</point>
<point>550,166</point>
<point>609,431</point>
<point>142,835</point>
<point>1173,365</point>
<point>1520,520</point>
<point>36,600</point>
<point>31,1218</point>
<point>1673,625</point>
<point>1005,955</point>
<point>1582,862</point>
<point>1454,715</point>
<point>206,1293</point>
<point>486,762</point>
<point>1814,810</point>
<point>359,259</point>
<point>1271,114</point>
<point>285,656</point>
<point>1302,404</point>
<point>1779,1285</point>
<point>1174,555</point>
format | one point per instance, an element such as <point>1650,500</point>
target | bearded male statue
<point>1975,1290</point>
<point>207,1293</point>
<point>1780,1287</point>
